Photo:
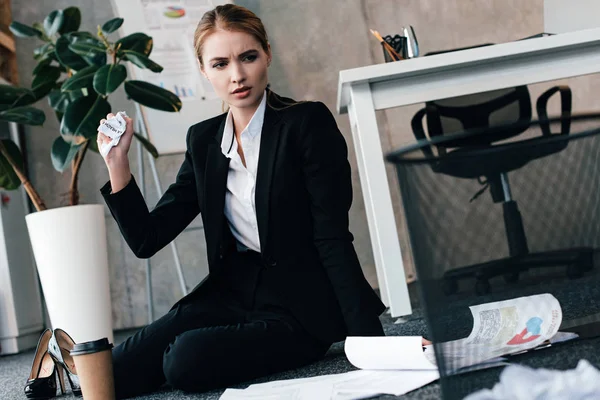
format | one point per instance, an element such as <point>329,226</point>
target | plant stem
<point>73,191</point>
<point>33,194</point>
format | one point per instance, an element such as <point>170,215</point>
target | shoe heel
<point>59,347</point>
<point>61,378</point>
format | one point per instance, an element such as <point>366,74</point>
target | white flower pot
<point>69,245</point>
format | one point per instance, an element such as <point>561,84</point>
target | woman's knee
<point>183,367</point>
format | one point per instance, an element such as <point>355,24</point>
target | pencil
<point>390,50</point>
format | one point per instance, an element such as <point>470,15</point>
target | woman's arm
<point>329,183</point>
<point>146,232</point>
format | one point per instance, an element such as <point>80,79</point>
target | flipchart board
<point>171,24</point>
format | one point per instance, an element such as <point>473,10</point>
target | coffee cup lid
<point>91,347</point>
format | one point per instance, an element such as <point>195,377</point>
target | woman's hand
<point>117,156</point>
<point>116,160</point>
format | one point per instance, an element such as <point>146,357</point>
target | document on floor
<point>504,328</point>
<point>401,353</point>
<point>399,364</point>
<point>499,329</point>
<point>352,385</point>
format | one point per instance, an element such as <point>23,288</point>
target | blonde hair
<point>231,17</point>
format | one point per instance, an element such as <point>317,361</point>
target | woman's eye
<point>219,65</point>
<point>250,58</point>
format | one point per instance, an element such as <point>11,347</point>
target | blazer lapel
<point>264,175</point>
<point>215,184</point>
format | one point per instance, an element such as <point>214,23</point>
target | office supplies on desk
<point>389,51</point>
<point>399,47</point>
<point>412,45</point>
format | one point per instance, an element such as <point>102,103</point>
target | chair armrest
<point>565,107</point>
<point>417,127</point>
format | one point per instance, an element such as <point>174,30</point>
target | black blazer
<point>303,195</point>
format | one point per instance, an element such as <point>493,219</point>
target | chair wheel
<point>511,278</point>
<point>450,286</point>
<point>482,286</point>
<point>574,271</point>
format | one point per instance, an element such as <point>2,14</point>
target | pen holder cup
<point>398,43</point>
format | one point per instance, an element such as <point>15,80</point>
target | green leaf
<point>8,178</point>
<point>112,25</point>
<point>147,145</point>
<point>87,47</point>
<point>98,60</point>
<point>138,42</point>
<point>23,115</point>
<point>40,27</point>
<point>83,116</point>
<point>22,30</point>
<point>26,99</point>
<point>152,96</point>
<point>76,94</point>
<point>41,65</point>
<point>109,77</point>
<point>142,61</point>
<point>90,49</point>
<point>46,74</point>
<point>82,79</point>
<point>71,20</point>
<point>66,57</point>
<point>53,22</point>
<point>44,52</point>
<point>58,100</point>
<point>9,94</point>
<point>63,153</point>
<point>43,89</point>
<point>79,35</point>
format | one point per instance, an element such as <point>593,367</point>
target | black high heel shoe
<point>41,384</point>
<point>59,348</point>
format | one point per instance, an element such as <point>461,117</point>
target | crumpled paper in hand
<point>114,128</point>
<point>523,383</point>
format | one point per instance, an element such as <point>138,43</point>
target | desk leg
<point>378,201</point>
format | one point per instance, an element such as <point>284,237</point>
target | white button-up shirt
<point>240,208</point>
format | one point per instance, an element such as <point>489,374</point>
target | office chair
<point>510,110</point>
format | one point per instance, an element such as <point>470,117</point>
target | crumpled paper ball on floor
<point>523,383</point>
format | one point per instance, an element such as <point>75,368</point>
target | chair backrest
<point>509,107</point>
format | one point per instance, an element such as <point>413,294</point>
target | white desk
<point>361,91</point>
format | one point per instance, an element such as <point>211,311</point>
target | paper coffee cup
<point>93,362</point>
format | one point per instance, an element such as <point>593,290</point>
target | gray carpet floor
<point>579,299</point>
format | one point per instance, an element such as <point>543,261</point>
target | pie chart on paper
<point>174,12</point>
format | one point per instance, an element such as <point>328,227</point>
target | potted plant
<point>76,71</point>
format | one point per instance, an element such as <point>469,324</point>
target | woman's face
<point>236,66</point>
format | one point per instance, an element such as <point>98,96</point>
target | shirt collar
<point>254,128</point>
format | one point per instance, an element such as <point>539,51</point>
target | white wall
<point>571,15</point>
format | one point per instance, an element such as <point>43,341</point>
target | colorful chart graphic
<point>530,333</point>
<point>174,12</point>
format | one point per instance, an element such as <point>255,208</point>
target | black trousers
<point>236,331</point>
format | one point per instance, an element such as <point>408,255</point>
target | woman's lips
<point>242,94</point>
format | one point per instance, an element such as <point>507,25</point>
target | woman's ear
<point>201,67</point>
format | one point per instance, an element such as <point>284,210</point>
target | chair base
<point>577,261</point>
